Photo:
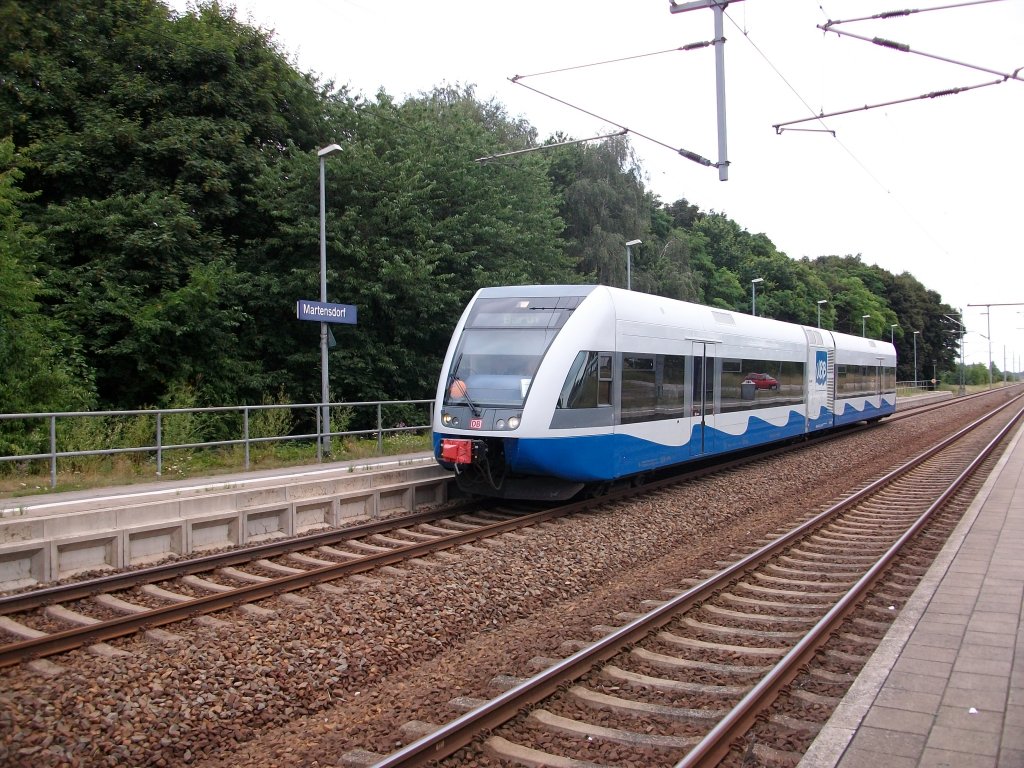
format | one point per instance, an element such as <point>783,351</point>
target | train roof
<point>512,291</point>
<point>643,307</point>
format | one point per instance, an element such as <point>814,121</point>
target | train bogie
<point>546,390</point>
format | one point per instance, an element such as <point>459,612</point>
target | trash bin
<point>748,390</point>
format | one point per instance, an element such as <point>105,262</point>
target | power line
<point>689,155</point>
<point>623,132</point>
<point>687,47</point>
<point>908,11</point>
<point>905,48</point>
<point>835,138</point>
<point>683,152</point>
<point>780,127</point>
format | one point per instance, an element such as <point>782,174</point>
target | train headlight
<point>500,424</point>
<point>449,420</point>
<point>513,422</point>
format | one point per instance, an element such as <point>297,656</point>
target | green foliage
<point>272,422</point>
<point>414,228</point>
<point>604,205</point>
<point>974,375</point>
<point>41,365</point>
<point>159,215</point>
<point>141,134</point>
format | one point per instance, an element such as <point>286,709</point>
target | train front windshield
<point>501,347</point>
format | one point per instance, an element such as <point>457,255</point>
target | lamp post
<point>820,302</point>
<point>915,358</point>
<point>629,262</point>
<point>753,294</point>
<point>863,324</point>
<point>325,395</point>
<point>892,328</point>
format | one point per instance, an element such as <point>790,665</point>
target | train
<point>551,391</point>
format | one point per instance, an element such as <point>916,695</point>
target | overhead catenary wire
<point>689,155</point>
<point>780,127</point>
<point>687,47</point>
<point>905,48</point>
<point>825,129</point>
<point>683,152</point>
<point>909,12</point>
<point>500,155</point>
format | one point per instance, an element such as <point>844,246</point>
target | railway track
<point>44,622</point>
<point>53,620</point>
<point>62,618</point>
<point>684,683</point>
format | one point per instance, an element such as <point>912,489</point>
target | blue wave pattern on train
<point>548,390</point>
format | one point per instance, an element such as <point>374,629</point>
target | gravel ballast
<point>346,668</point>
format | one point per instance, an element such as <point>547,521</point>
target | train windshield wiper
<point>465,396</point>
<point>464,389</point>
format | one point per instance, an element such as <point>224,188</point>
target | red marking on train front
<point>457,451</point>
<point>476,423</point>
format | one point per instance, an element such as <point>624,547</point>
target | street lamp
<point>629,262</point>
<point>820,302</point>
<point>863,324</point>
<point>753,294</point>
<point>325,396</point>
<point>915,357</point>
<point>892,331</point>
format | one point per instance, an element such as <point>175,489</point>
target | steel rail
<point>66,640</point>
<point>60,642</point>
<point>23,601</point>
<point>460,732</point>
<point>70,639</point>
<point>717,742</point>
<point>27,600</point>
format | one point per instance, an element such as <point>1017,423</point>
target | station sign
<point>322,312</point>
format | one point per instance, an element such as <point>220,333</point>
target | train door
<point>876,399</point>
<point>821,381</point>
<point>702,439</point>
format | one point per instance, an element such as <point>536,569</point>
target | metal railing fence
<point>911,387</point>
<point>303,416</point>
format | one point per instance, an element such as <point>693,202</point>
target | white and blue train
<point>548,390</point>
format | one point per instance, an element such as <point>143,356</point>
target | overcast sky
<point>932,187</point>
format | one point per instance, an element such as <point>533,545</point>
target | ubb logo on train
<point>820,367</point>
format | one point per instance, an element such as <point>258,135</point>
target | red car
<point>762,380</point>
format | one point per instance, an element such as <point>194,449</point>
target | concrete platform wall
<point>45,542</point>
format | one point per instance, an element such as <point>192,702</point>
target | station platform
<point>946,685</point>
<point>46,538</point>
<point>167,487</point>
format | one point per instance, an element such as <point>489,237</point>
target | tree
<point>414,227</point>
<point>42,367</point>
<point>604,204</point>
<point>141,134</point>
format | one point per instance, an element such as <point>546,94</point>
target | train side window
<point>672,386</point>
<point>856,380</point>
<point>604,379</point>
<point>589,381</point>
<point>639,398</point>
<point>889,382</point>
<point>749,383</point>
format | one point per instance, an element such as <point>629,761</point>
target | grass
<point>86,472</point>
